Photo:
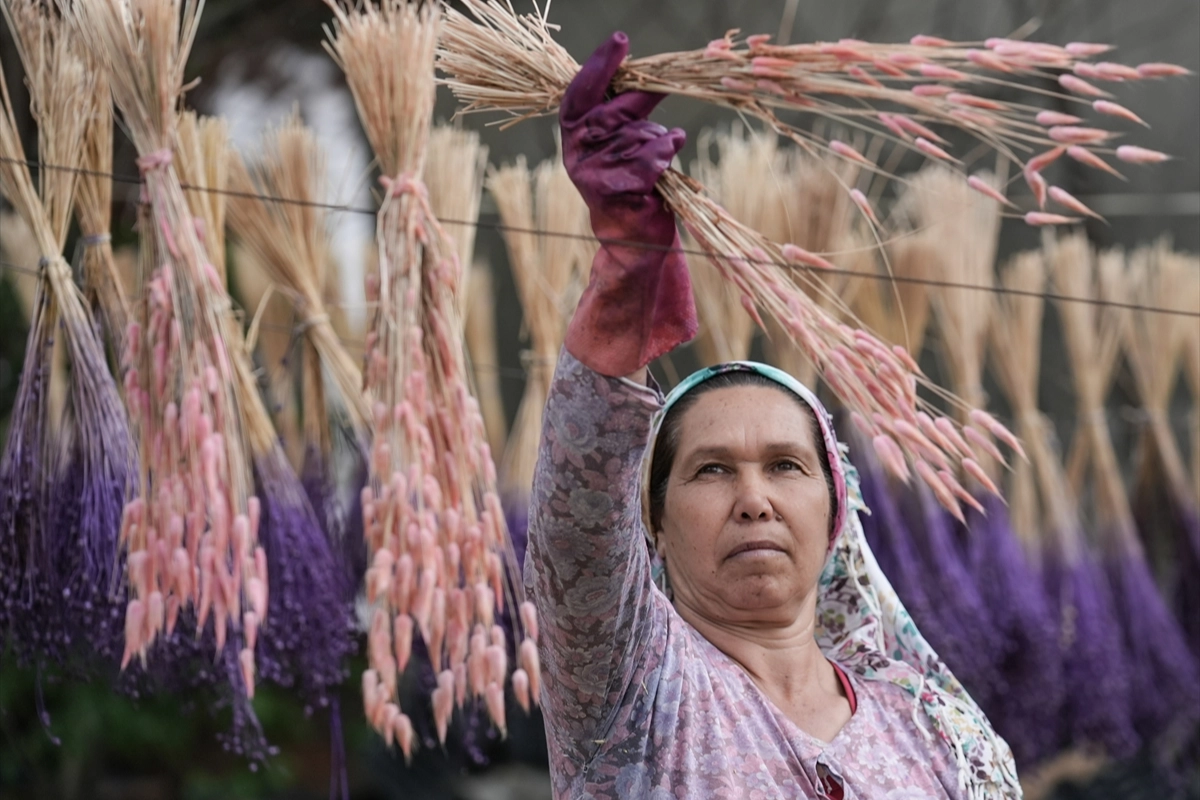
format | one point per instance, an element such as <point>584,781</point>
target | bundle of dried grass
<point>60,506</point>
<point>442,561</point>
<point>291,240</point>
<point>1027,714</point>
<point>821,217</point>
<point>480,334</point>
<point>1098,674</point>
<point>547,269</point>
<point>102,280</point>
<point>501,61</point>
<point>310,622</point>
<point>1166,675</point>
<point>965,566</point>
<point>192,531</point>
<point>513,64</point>
<point>742,170</point>
<point>454,173</point>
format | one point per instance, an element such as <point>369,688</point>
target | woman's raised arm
<point>586,565</point>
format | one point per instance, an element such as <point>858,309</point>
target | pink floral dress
<point>639,705</point>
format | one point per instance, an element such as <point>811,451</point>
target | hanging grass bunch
<point>1098,704</point>
<point>479,332</point>
<point>308,630</point>
<point>548,271</point>
<point>454,176</point>
<point>743,169</point>
<point>442,564</point>
<point>1027,712</point>
<point>191,532</point>
<point>102,280</point>
<point>60,506</point>
<point>501,62</point>
<point>291,241</point>
<point>1166,677</point>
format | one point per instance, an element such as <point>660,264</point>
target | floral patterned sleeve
<point>587,567</point>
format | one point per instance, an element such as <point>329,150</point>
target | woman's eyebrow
<point>790,447</point>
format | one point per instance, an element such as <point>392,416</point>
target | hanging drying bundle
<point>741,169</point>
<point>547,269</point>
<point>102,281</point>
<point>1003,547</point>
<point>1098,708</point>
<point>308,628</point>
<point>1166,677</point>
<point>60,506</point>
<point>964,225</point>
<point>275,211</point>
<point>499,61</point>
<point>191,531</point>
<point>442,564</point>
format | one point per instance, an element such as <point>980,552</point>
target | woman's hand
<point>638,304</point>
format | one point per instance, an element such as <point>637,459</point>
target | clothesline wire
<point>502,228</point>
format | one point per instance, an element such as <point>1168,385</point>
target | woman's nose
<point>752,502</point>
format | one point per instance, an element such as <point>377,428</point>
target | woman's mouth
<point>755,548</point>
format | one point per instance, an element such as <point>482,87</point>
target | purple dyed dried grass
<point>1096,706</point>
<point>1027,705</point>
<point>309,630</point>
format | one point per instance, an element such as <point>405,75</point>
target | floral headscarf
<point>861,623</point>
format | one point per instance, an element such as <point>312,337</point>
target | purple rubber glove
<point>638,304</point>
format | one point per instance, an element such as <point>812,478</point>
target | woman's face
<point>745,522</point>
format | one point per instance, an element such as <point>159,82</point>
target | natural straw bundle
<point>819,216</point>
<point>513,64</point>
<point>93,209</point>
<point>742,170</point>
<point>1027,712</point>
<point>442,562</point>
<point>308,629</point>
<point>192,531</point>
<point>1097,708</point>
<point>454,171</point>
<point>60,507</point>
<point>479,331</point>
<point>546,269</point>
<point>1166,678</point>
<point>291,241</point>
<point>502,61</point>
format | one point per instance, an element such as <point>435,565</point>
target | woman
<point>780,663</point>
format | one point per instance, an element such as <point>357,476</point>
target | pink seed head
<point>1117,110</point>
<point>1039,218</point>
<point>1079,86</point>
<point>1132,154</point>
<point>1052,118</point>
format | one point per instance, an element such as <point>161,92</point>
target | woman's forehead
<point>772,416</point>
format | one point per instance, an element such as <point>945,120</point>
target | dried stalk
<point>291,240</point>
<point>442,560</point>
<point>59,511</point>
<point>1016,359</point>
<point>93,209</point>
<point>502,62</point>
<point>496,60</point>
<point>196,506</point>
<point>480,334</point>
<point>547,270</point>
<point>454,175</point>
<point>1154,343</point>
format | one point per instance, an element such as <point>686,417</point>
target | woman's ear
<point>660,545</point>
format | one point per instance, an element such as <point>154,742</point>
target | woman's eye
<point>710,469</point>
<point>788,465</point>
